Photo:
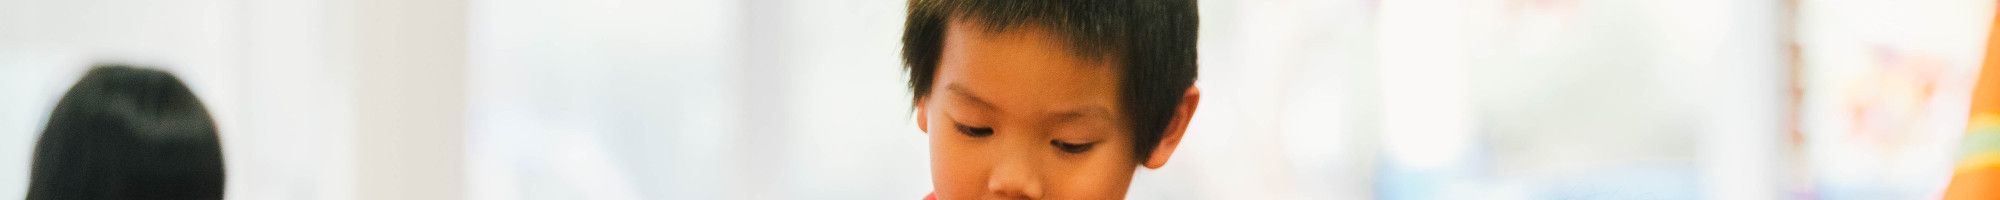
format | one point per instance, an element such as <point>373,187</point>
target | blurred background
<point>805,99</point>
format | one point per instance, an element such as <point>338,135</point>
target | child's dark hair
<point>1152,40</point>
<point>128,133</point>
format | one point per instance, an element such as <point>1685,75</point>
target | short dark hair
<point>1152,40</point>
<point>128,133</point>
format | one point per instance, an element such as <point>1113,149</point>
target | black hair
<point>1153,42</point>
<point>128,133</point>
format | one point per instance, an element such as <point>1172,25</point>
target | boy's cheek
<point>956,188</point>
<point>955,173</point>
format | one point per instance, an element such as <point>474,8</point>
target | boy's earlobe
<point>1172,138</point>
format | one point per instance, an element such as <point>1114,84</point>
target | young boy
<point>1033,99</point>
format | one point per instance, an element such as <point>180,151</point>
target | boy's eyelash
<point>1072,148</point>
<point>975,131</point>
<point>979,132</point>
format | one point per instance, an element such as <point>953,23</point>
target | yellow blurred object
<point>1978,173</point>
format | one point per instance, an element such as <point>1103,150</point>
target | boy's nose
<point>1015,183</point>
<point>1015,177</point>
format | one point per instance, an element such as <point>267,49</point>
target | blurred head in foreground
<point>1044,99</point>
<point>128,133</point>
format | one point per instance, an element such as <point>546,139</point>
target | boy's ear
<point>923,121</point>
<point>1176,128</point>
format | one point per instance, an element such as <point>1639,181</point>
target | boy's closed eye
<point>1072,148</point>
<point>976,132</point>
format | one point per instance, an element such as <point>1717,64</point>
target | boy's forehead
<point>1022,67</point>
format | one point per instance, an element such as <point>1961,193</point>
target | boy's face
<point>1015,115</point>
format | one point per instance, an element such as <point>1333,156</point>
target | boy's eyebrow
<point>966,94</point>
